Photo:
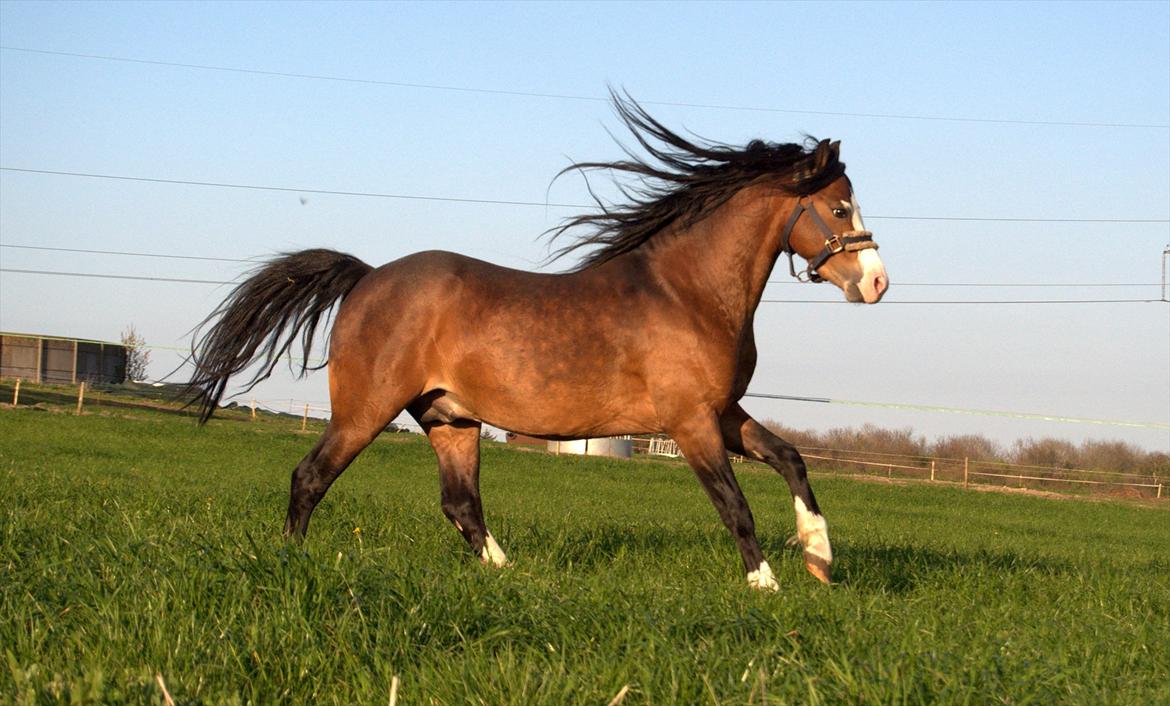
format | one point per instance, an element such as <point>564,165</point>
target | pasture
<point>137,544</point>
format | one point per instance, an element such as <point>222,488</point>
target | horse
<point>459,342</point>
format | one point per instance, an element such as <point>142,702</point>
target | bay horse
<point>458,342</point>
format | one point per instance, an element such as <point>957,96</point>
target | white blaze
<point>857,222</point>
<point>872,269</point>
<point>871,264</point>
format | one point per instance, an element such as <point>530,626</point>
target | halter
<point>849,241</point>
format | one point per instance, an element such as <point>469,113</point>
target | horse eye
<point>840,212</point>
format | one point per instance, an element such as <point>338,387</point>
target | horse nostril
<point>880,284</point>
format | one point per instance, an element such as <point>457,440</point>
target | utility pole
<point>1165,284</point>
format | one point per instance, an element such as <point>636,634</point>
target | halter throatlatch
<point>849,241</point>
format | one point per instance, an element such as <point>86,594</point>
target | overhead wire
<point>513,202</point>
<point>88,251</point>
<point>260,260</point>
<point>578,97</point>
<point>112,276</point>
<point>999,284</point>
<point>762,301</point>
<point>973,301</point>
<point>962,410</point>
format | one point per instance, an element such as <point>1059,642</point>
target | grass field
<point>137,544</point>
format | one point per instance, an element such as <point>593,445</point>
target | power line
<point>285,189</point>
<point>973,301</point>
<point>762,301</point>
<point>576,97</point>
<point>996,284</point>
<point>543,204</point>
<point>260,260</point>
<point>124,252</point>
<point>986,219</point>
<point>107,276</point>
<point>962,410</point>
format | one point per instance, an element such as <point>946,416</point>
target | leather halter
<point>849,241</point>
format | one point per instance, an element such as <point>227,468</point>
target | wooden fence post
<point>80,396</point>
<point>16,393</point>
<point>305,419</point>
<point>932,471</point>
<point>253,410</point>
<point>966,464</point>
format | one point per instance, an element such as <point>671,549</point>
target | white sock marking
<point>762,578</point>
<point>492,554</point>
<point>813,531</point>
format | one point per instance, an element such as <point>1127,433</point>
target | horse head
<point>825,228</point>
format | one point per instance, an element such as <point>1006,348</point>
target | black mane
<point>684,181</point>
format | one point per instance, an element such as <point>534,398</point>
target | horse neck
<point>727,257</point>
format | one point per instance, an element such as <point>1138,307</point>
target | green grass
<point>136,545</point>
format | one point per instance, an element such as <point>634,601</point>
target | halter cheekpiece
<point>849,241</point>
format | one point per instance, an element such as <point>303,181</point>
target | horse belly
<point>542,389</point>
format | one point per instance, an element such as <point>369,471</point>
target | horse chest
<point>745,364</point>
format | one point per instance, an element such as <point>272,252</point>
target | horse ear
<point>835,150</point>
<point>821,156</point>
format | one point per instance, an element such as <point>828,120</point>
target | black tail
<point>262,316</point>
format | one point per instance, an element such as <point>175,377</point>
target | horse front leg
<point>746,436</point>
<point>701,442</point>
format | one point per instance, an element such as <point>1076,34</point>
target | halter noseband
<point>849,241</point>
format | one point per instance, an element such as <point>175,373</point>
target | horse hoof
<point>492,555</point>
<point>817,567</point>
<point>762,579</point>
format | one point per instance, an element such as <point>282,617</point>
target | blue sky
<point>994,71</point>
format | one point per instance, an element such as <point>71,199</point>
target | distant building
<point>52,359</point>
<point>615,447</point>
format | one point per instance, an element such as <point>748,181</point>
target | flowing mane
<point>683,181</point>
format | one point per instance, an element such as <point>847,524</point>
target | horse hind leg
<point>746,436</point>
<point>332,454</point>
<point>456,445</point>
<point>356,422</point>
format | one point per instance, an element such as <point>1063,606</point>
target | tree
<point>137,355</point>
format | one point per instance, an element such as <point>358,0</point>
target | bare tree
<point>137,355</point>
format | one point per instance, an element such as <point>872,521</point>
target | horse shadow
<point>870,567</point>
<point>902,568</point>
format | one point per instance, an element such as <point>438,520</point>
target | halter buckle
<point>833,244</point>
